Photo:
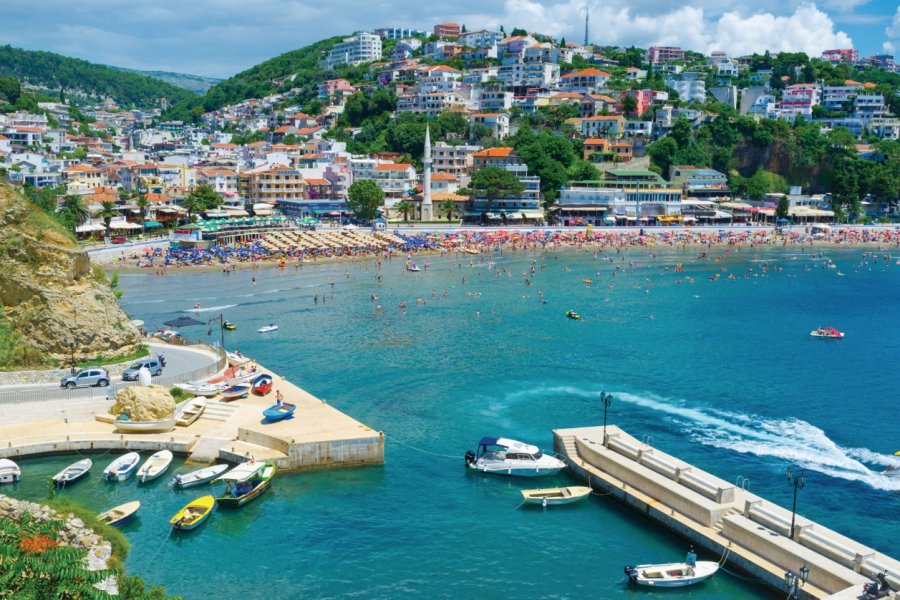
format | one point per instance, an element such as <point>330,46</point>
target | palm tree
<point>75,207</point>
<point>108,210</point>
<point>404,208</point>
<point>193,204</point>
<point>143,204</point>
<point>448,209</point>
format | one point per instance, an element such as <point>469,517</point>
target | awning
<point>689,219</point>
<point>736,205</point>
<point>89,227</point>
<point>532,214</point>
<point>124,225</point>
<point>152,224</point>
<point>237,212</point>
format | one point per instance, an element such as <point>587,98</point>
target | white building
<point>479,39</point>
<point>528,75</point>
<point>690,90</point>
<point>360,48</point>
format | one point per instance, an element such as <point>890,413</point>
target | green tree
<point>582,170</point>
<point>496,182</point>
<point>75,208</point>
<point>404,208</point>
<point>365,198</point>
<point>202,198</point>
<point>448,209</point>
<point>143,205</point>
<point>662,153</point>
<point>108,210</point>
<point>783,208</point>
<point>629,104</point>
<point>681,132</point>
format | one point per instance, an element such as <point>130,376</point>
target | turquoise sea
<point>720,372</point>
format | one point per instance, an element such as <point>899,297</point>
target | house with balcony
<point>584,81</point>
<point>592,105</point>
<point>602,126</point>
<point>223,181</point>
<point>83,178</point>
<point>512,49</point>
<point>396,180</point>
<point>447,30</point>
<point>620,197</point>
<point>357,49</point>
<point>498,123</point>
<point>495,99</point>
<point>457,161</point>
<point>635,74</point>
<point>270,185</point>
<point>798,99</point>
<point>533,75</point>
<point>479,39</point>
<point>700,182</point>
<point>523,207</point>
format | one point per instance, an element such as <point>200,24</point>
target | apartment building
<point>360,48</point>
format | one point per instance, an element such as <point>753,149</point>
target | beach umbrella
<point>183,322</point>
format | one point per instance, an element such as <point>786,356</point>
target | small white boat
<point>155,466</point>
<point>201,388</point>
<point>236,360</point>
<point>123,467</point>
<point>267,328</point>
<point>238,390</point>
<point>413,268</point>
<point>9,471</point>
<point>117,515</point>
<point>827,332</point>
<point>198,477</point>
<point>145,426</point>
<point>671,574</point>
<point>558,495</point>
<point>891,471</point>
<point>503,456</point>
<point>191,412</point>
<point>73,472</point>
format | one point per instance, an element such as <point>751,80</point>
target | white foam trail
<point>211,308</point>
<point>791,440</point>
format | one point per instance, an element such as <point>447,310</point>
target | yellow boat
<point>587,281</point>
<point>194,513</point>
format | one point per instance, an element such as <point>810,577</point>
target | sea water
<point>720,372</point>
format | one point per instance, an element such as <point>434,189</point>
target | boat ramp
<point>750,532</point>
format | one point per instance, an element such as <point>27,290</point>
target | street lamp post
<point>799,480</point>
<point>795,582</point>
<point>606,399</point>
<point>221,321</point>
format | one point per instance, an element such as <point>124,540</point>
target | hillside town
<point>455,102</point>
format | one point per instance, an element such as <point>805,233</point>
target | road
<point>179,361</point>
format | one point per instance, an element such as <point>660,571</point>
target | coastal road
<point>179,362</point>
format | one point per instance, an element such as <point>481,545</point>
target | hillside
<point>55,72</point>
<point>295,69</point>
<point>192,83</point>
<point>53,303</point>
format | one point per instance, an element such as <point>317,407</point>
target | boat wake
<point>211,308</point>
<point>790,440</point>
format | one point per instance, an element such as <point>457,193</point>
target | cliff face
<point>51,297</point>
<point>775,158</point>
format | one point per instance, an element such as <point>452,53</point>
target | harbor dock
<point>743,529</point>
<point>318,436</point>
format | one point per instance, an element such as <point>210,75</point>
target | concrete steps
<point>219,411</point>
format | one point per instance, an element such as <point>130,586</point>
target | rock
<point>76,523</point>
<point>151,403</point>
<point>49,292</point>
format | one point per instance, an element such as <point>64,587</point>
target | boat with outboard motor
<point>193,514</point>
<point>573,315</point>
<point>155,466</point>
<point>119,514</point>
<point>9,471</point>
<point>267,328</point>
<point>123,467</point>
<point>503,456</point>
<point>73,472</point>
<point>671,574</point>
<point>827,332</point>
<point>198,477</point>
<point>245,482</point>
<point>201,388</point>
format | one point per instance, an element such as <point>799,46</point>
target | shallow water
<point>722,373</point>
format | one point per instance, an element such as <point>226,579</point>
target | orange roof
<point>494,153</point>
<point>567,95</point>
<point>596,141</point>
<point>81,168</point>
<point>308,130</point>
<point>393,167</point>
<point>30,129</point>
<point>284,129</point>
<point>158,198</point>
<point>851,82</point>
<point>228,145</point>
<point>300,115</point>
<point>633,69</point>
<point>591,72</point>
<point>209,172</point>
<point>444,177</point>
<point>485,114</point>
<point>869,85</point>
<point>603,118</point>
<point>318,182</point>
<point>447,68</point>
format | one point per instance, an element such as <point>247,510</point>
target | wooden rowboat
<point>123,467</point>
<point>193,514</point>
<point>262,385</point>
<point>558,495</point>
<point>155,466</point>
<point>73,472</point>
<point>191,412</point>
<point>236,360</point>
<point>198,477</point>
<point>118,515</point>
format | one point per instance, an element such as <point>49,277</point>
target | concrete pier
<point>318,436</point>
<point>752,533</point>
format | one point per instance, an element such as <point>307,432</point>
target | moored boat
<point>238,390</point>
<point>236,359</point>
<point>123,467</point>
<point>73,472</point>
<point>198,477</point>
<point>119,514</point>
<point>503,456</point>
<point>262,385</point>
<point>194,513</point>
<point>671,574</point>
<point>145,426</point>
<point>9,471</point>
<point>277,412</point>
<point>245,483</point>
<point>155,466</point>
<point>191,412</point>
<point>558,495</point>
<point>827,332</point>
<point>229,326</point>
<point>200,388</point>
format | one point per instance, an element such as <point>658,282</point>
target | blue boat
<point>236,391</point>
<point>277,412</point>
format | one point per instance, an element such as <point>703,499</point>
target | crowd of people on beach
<point>476,241</point>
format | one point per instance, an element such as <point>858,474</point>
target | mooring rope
<point>420,449</point>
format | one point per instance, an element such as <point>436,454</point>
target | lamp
<point>606,399</point>
<point>799,480</point>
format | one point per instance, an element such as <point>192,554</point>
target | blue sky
<point>222,37</point>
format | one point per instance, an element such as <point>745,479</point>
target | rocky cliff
<point>53,301</point>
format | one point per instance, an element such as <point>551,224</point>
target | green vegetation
<point>203,198</point>
<point>496,182</point>
<point>114,359</point>
<point>14,354</point>
<point>192,83</point>
<point>57,72</point>
<point>364,198</point>
<point>404,133</point>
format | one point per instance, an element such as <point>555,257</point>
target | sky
<point>219,38</point>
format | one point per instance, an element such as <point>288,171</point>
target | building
<point>840,97</point>
<point>447,30</point>
<point>271,185</point>
<point>700,182</point>
<point>621,196</point>
<point>847,55</point>
<point>333,87</point>
<point>360,48</point>
<point>598,150</point>
<point>396,180</point>
<point>494,99</point>
<point>498,123</point>
<point>454,160</point>
<point>584,81</point>
<point>798,99</point>
<point>223,181</point>
<point>691,90</point>
<point>83,178</point>
<point>532,75</point>
<point>398,33</point>
<point>602,126</point>
<point>661,54</point>
<point>479,39</point>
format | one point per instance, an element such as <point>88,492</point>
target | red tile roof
<point>494,153</point>
<point>590,72</point>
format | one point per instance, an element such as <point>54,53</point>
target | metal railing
<point>95,393</point>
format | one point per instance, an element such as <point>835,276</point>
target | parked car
<point>121,239</point>
<point>152,364</point>
<point>86,377</point>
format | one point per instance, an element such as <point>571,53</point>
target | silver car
<point>86,377</point>
<point>152,364</point>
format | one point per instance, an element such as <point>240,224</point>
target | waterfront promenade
<point>742,528</point>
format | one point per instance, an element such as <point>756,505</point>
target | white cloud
<point>894,30</point>
<point>888,48</point>
<point>807,30</point>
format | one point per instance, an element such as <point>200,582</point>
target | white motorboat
<point>73,472</point>
<point>891,471</point>
<point>503,456</point>
<point>9,471</point>
<point>671,574</point>
<point>190,412</point>
<point>267,328</point>
<point>123,467</point>
<point>558,495</point>
<point>236,360</point>
<point>198,477</point>
<point>155,466</point>
<point>145,426</point>
<point>201,388</point>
